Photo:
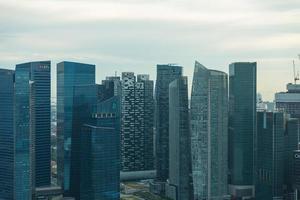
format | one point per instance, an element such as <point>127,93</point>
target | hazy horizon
<point>135,35</point>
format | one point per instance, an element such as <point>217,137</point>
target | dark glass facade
<point>32,128</point>
<point>179,186</point>
<point>165,75</point>
<point>270,156</point>
<point>100,153</point>
<point>242,128</point>
<point>69,74</point>
<point>6,134</point>
<point>291,144</point>
<point>84,101</point>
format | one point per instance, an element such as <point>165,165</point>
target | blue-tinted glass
<point>6,133</point>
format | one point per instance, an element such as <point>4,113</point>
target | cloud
<point>134,35</point>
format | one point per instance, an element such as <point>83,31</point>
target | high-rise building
<point>7,78</point>
<point>110,87</point>
<point>32,128</point>
<point>69,75</point>
<point>179,185</point>
<point>290,145</point>
<point>269,179</point>
<point>100,153</point>
<point>165,75</point>
<point>84,101</point>
<point>209,133</point>
<point>242,129</point>
<point>289,101</point>
<point>137,122</point>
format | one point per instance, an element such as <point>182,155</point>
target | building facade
<point>289,101</point>
<point>242,129</point>
<point>32,128</point>
<point>209,133</point>
<point>7,78</point>
<point>179,185</point>
<point>69,75</point>
<point>137,112</point>
<point>270,154</point>
<point>100,153</point>
<point>165,75</point>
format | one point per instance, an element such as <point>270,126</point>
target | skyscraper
<point>165,75</point>
<point>69,75</point>
<point>100,153</point>
<point>84,101</point>
<point>270,155</point>
<point>209,133</point>
<point>7,133</point>
<point>289,101</point>
<point>110,87</point>
<point>32,127</point>
<point>137,122</point>
<point>179,186</point>
<point>290,145</point>
<point>242,128</point>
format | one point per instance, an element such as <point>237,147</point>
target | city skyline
<point>217,34</point>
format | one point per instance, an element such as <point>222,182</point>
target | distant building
<point>69,75</point>
<point>264,105</point>
<point>7,78</point>
<point>209,133</point>
<point>32,128</point>
<point>165,75</point>
<point>270,156</point>
<point>242,129</point>
<point>137,121</point>
<point>289,101</point>
<point>179,185</point>
<point>110,87</point>
<point>100,153</point>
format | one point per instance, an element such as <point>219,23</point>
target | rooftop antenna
<point>296,76</point>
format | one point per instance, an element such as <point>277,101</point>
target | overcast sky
<point>135,35</point>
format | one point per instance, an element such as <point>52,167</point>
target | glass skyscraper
<point>32,128</point>
<point>270,156</point>
<point>179,186</point>
<point>6,133</point>
<point>209,133</point>
<point>69,75</point>
<point>100,153</point>
<point>165,75</point>
<point>242,128</point>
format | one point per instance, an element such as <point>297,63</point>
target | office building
<point>179,185</point>
<point>270,155</point>
<point>69,75</point>
<point>137,122</point>
<point>32,128</point>
<point>289,101</point>
<point>84,101</point>
<point>291,144</point>
<point>242,129</point>
<point>110,87</point>
<point>165,75</point>
<point>100,153</point>
<point>209,133</point>
<point>7,133</point>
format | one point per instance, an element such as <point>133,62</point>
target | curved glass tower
<point>209,133</point>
